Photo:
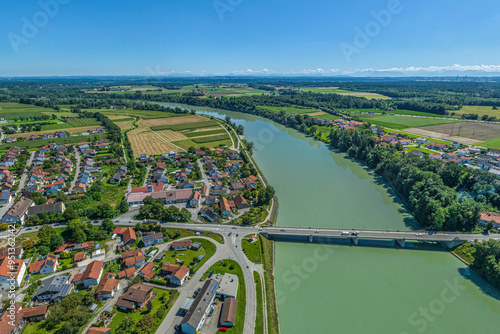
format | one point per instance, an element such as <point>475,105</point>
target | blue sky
<point>113,37</point>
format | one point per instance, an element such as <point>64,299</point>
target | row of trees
<point>153,209</point>
<point>487,261</point>
<point>441,196</point>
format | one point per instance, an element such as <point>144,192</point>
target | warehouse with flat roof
<point>198,312</point>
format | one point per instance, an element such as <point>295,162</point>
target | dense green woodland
<point>441,196</point>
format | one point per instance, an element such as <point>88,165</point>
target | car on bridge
<point>317,231</point>
<point>355,233</point>
<point>283,230</point>
<point>345,233</point>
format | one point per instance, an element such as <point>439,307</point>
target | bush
<point>157,281</point>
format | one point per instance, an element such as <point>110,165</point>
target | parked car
<point>223,329</point>
<point>234,227</point>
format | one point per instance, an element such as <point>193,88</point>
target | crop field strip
<point>68,130</point>
<point>185,126</point>
<point>204,133</point>
<point>404,122</point>
<point>79,122</point>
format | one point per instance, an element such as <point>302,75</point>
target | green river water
<point>356,289</point>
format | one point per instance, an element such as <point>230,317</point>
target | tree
<point>55,241</point>
<point>145,325</point>
<point>43,250</point>
<point>123,206</point>
<point>148,200</point>
<point>108,225</point>
<point>149,305</point>
<point>184,215</point>
<point>44,235</point>
<point>70,214</point>
<point>105,210</point>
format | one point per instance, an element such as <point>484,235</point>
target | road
<point>77,170</point>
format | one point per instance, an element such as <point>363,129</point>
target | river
<point>349,289</point>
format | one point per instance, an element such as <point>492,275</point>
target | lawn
<point>83,122</point>
<point>404,122</point>
<point>290,110</point>
<point>252,250</point>
<point>492,143</point>
<point>232,267</point>
<point>186,257</point>
<point>267,253</point>
<point>259,317</point>
<point>272,308</point>
<point>136,316</point>
<point>216,236</point>
<point>41,142</point>
<point>210,250</point>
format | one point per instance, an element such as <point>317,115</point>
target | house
<point>195,199</point>
<point>147,272</point>
<point>53,289</point>
<point>225,210</point>
<point>136,261</point>
<point>487,217</point>
<point>181,245</point>
<point>209,215</point>
<point>5,197</point>
<point>91,275</point>
<point>135,298</point>
<point>57,207</point>
<point>16,252</point>
<point>127,234</point>
<point>198,312</point>
<point>437,146</point>
<point>435,156</point>
<point>178,273</point>
<point>46,266</point>
<point>152,239</point>
<point>10,321</point>
<point>18,212</point>
<point>228,313</point>
<point>34,314</point>
<point>241,202</point>
<point>127,273</point>
<point>99,330</point>
<point>417,153</point>
<point>79,257</point>
<point>132,253</point>
<point>11,273</point>
<point>107,287</point>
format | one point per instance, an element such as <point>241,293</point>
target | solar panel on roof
<point>214,288</point>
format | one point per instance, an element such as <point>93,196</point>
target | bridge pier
<point>355,241</point>
<point>452,244</point>
<point>401,242</point>
<point>311,238</point>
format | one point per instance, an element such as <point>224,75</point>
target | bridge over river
<point>447,239</point>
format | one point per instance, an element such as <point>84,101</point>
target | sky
<point>272,37</point>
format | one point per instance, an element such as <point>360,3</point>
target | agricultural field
<point>79,122</point>
<point>404,122</point>
<point>336,90</point>
<point>12,110</point>
<point>64,141</point>
<point>70,130</point>
<point>146,141</point>
<point>492,143</point>
<point>162,135</point>
<point>124,125</point>
<point>472,130</point>
<point>290,110</point>
<point>132,112</point>
<point>397,112</point>
<point>480,110</point>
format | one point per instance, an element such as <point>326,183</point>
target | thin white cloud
<point>434,69</point>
